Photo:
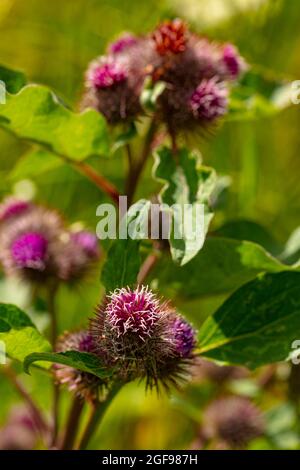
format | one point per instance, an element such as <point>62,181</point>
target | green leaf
<point>36,114</point>
<point>221,266</point>
<point>13,79</point>
<point>243,229</point>
<point>122,265</point>
<point>258,97</point>
<point>257,324</point>
<point>125,137</point>
<point>83,361</point>
<point>123,259</point>
<point>19,333</point>
<point>186,183</point>
<point>35,163</point>
<point>150,94</point>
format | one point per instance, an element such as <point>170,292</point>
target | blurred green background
<point>52,42</point>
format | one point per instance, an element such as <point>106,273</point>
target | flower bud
<point>82,384</point>
<point>142,337</point>
<point>235,421</point>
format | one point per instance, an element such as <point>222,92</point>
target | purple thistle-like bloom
<point>87,241</point>
<point>13,207</point>
<point>133,311</point>
<point>30,251</point>
<point>142,337</point>
<point>106,75</point>
<point>235,421</point>
<point>232,61</point>
<point>184,335</point>
<point>83,384</point>
<point>209,100</point>
<point>122,43</point>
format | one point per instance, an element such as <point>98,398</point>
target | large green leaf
<point>83,361</point>
<point>221,266</point>
<point>36,114</point>
<point>257,324</point>
<point>243,229</point>
<point>19,333</point>
<point>122,265</point>
<point>186,183</point>
<point>13,79</point>
<point>123,258</point>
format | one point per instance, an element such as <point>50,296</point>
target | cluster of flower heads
<point>196,72</point>
<point>136,336</point>
<point>36,245</point>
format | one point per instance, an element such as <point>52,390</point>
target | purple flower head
<point>106,75</point>
<point>30,251</point>
<point>141,337</point>
<point>13,207</point>
<point>209,100</point>
<point>184,335</point>
<point>235,421</point>
<point>122,43</point>
<point>232,61</point>
<point>87,241</point>
<point>133,311</point>
<point>82,384</point>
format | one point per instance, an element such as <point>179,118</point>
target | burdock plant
<point>160,88</point>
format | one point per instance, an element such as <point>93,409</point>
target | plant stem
<point>147,267</point>
<point>134,174</point>
<point>129,157</point>
<point>53,337</point>
<point>96,416</point>
<point>95,177</point>
<point>99,180</point>
<point>36,413</point>
<point>72,423</point>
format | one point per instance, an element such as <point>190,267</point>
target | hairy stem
<point>39,420</point>
<point>135,173</point>
<point>53,337</point>
<point>72,424</point>
<point>96,416</point>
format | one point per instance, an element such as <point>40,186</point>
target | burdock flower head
<point>77,252</point>
<point>209,100</point>
<point>12,207</point>
<point>233,64</point>
<point>123,43</point>
<point>114,82</point>
<point>28,243</point>
<point>196,73</point>
<point>36,245</point>
<point>234,421</point>
<point>140,335</point>
<point>82,384</point>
